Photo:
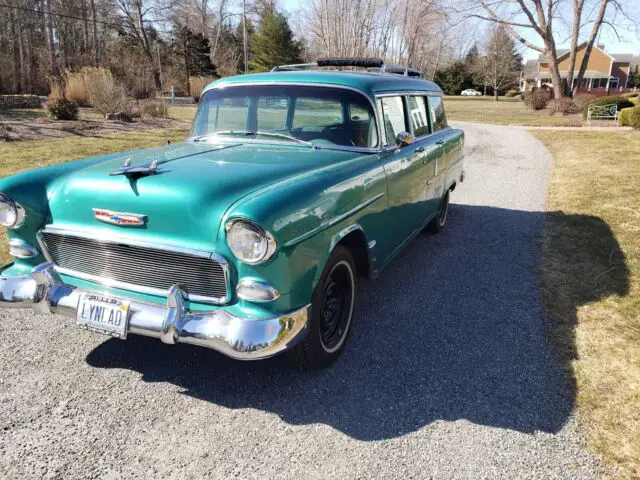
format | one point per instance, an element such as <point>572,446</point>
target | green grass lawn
<point>591,283</point>
<point>507,111</point>
<point>182,113</point>
<point>26,155</point>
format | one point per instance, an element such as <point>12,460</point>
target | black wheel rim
<point>336,307</point>
<point>444,210</point>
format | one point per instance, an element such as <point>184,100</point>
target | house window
<point>614,82</point>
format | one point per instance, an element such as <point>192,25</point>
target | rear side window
<point>438,118</point>
<point>418,116</point>
<point>392,109</point>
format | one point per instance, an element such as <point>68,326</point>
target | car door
<point>439,138</point>
<point>430,150</point>
<point>406,172</point>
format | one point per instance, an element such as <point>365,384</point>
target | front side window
<point>392,110</point>
<point>323,116</point>
<point>438,118</point>
<point>418,116</point>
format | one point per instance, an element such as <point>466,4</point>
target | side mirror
<point>403,139</point>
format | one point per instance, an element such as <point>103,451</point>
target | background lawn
<point>591,283</point>
<point>507,111</point>
<point>27,155</point>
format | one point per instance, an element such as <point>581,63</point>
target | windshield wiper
<point>288,137</point>
<point>221,132</point>
<point>265,134</point>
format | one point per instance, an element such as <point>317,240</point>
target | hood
<point>185,200</point>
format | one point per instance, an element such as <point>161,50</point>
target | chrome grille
<point>141,268</point>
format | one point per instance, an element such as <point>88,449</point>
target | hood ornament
<point>139,171</point>
<point>119,218</point>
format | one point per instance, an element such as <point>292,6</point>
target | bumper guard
<point>237,337</point>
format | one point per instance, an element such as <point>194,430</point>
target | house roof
<point>560,52</point>
<point>626,58</point>
<point>530,69</point>
<point>563,74</point>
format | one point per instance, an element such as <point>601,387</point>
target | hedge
<point>20,101</point>
<point>622,102</point>
<point>630,117</point>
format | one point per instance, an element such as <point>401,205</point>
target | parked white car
<point>471,93</point>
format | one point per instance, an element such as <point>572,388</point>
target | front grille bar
<point>136,265</point>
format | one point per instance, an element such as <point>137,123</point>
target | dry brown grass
<point>591,284</point>
<point>75,86</point>
<point>56,85</point>
<point>197,84</point>
<point>104,94</point>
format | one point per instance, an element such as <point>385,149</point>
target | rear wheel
<point>440,220</point>
<point>331,313</point>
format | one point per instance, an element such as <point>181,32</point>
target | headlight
<point>250,243</point>
<point>11,213</point>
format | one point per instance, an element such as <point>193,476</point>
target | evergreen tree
<point>634,78</point>
<point>273,43</point>
<point>454,78</point>
<point>251,30</point>
<point>195,50</point>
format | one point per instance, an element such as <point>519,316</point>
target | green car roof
<point>368,83</point>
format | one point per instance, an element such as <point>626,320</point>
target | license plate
<point>103,314</point>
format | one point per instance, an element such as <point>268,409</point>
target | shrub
<point>56,85</point>
<point>75,88</point>
<point>631,95</point>
<point>582,99</point>
<point>514,92</point>
<point>634,118</point>
<point>104,94</point>
<point>564,105</point>
<point>537,98</point>
<point>625,116</point>
<point>196,85</point>
<point>62,109</point>
<point>155,109</point>
<point>621,102</point>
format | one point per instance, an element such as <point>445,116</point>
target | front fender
<point>308,216</point>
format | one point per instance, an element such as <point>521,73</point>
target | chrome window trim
<point>422,137</point>
<point>389,148</point>
<point>375,149</point>
<point>137,243</point>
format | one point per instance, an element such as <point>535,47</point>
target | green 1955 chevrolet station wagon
<point>249,237</point>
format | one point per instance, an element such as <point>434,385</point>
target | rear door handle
<point>419,150</point>
<point>440,142</point>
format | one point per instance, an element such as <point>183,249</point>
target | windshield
<point>315,116</point>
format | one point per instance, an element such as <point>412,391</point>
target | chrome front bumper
<point>237,337</point>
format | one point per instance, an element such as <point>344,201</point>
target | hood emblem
<point>120,218</point>
<point>140,171</point>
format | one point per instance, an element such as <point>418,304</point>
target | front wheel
<point>331,313</point>
<point>438,223</point>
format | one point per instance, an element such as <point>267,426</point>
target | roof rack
<point>370,64</point>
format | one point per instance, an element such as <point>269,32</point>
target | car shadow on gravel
<point>452,330</point>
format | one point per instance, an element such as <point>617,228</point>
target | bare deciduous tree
<point>501,62</point>
<point>542,17</point>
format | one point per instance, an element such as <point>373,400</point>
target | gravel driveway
<point>447,373</point>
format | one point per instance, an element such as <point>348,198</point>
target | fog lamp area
<point>256,291</point>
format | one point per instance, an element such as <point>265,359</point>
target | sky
<point>628,43</point>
